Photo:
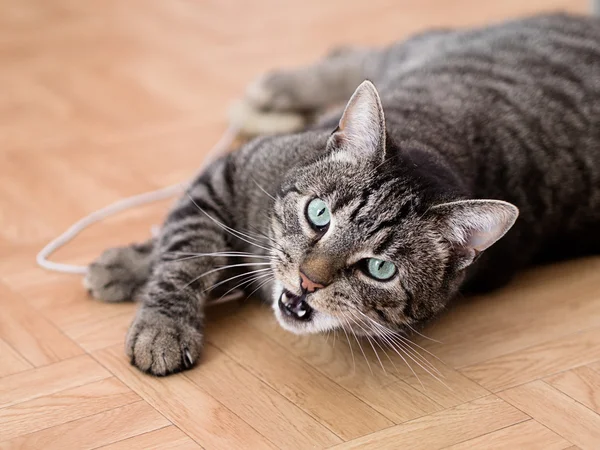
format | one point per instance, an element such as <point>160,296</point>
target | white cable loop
<point>219,149</point>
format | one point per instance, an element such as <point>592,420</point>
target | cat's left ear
<point>473,226</point>
<point>361,131</point>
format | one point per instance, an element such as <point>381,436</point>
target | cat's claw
<point>159,345</point>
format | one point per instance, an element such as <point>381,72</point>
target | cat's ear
<point>474,225</point>
<point>361,131</point>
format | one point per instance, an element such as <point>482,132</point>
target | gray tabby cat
<point>375,220</point>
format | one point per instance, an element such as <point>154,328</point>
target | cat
<point>469,155</point>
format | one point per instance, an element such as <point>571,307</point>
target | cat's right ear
<point>361,131</point>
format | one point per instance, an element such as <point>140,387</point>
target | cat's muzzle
<point>295,306</point>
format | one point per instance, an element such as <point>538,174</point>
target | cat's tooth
<point>301,313</point>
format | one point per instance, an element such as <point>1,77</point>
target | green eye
<point>380,269</point>
<point>317,213</point>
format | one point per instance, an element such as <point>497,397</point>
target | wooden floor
<point>102,99</point>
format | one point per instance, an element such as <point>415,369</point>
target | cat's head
<point>364,237</point>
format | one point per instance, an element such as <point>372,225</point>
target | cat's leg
<point>166,335</point>
<point>119,273</point>
<point>315,87</point>
<point>285,100</point>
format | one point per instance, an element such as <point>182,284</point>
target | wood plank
<point>11,361</point>
<point>103,333</point>
<point>530,435</point>
<point>450,389</point>
<point>387,390</point>
<point>65,406</point>
<point>534,362</point>
<point>556,411</point>
<point>348,364</point>
<point>529,312</point>
<point>105,99</point>
<point>445,428</point>
<point>202,417</point>
<point>30,334</point>
<point>297,381</point>
<point>91,432</point>
<point>256,403</point>
<point>595,366</point>
<point>167,438</point>
<point>47,380</point>
<point>581,384</point>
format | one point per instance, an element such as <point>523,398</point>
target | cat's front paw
<point>160,345</point>
<point>119,272</point>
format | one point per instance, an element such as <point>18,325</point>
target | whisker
<point>361,349</point>
<point>260,235</point>
<point>422,335</point>
<point>262,189</point>
<point>218,269</point>
<point>233,278</point>
<point>411,351</point>
<point>397,335</point>
<point>368,339</point>
<point>421,366</point>
<point>260,285</point>
<point>227,255</point>
<point>350,345</point>
<point>232,231</point>
<point>393,347</point>
<point>250,280</point>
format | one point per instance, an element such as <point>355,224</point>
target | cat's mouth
<point>295,306</point>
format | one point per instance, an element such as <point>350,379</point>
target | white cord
<point>220,148</point>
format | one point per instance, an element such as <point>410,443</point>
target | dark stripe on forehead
<point>342,201</point>
<point>387,241</point>
<point>372,227</point>
<point>364,197</point>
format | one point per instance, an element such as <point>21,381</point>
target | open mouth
<point>295,306</point>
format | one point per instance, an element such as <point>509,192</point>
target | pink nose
<point>308,284</point>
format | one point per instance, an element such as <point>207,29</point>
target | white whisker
<point>422,335</point>
<point>232,231</point>
<point>234,277</point>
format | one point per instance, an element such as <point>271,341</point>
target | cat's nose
<point>308,284</point>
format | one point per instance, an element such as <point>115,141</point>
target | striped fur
<point>509,113</point>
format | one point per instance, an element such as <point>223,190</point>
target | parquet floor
<point>102,99</point>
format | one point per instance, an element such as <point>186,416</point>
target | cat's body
<point>509,113</point>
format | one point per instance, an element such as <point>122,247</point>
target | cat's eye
<point>317,214</point>
<point>380,269</point>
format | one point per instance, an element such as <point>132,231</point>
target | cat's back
<point>552,44</point>
<point>514,107</point>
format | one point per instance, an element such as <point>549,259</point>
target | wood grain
<point>102,99</point>
<point>581,384</point>
<point>530,435</point>
<point>11,361</point>
<point>30,334</point>
<point>206,420</point>
<point>444,428</point>
<point>167,438</point>
<point>556,411</point>
<point>47,380</point>
<point>533,362</point>
<point>99,429</point>
<point>64,406</point>
<point>257,403</point>
<point>298,381</point>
